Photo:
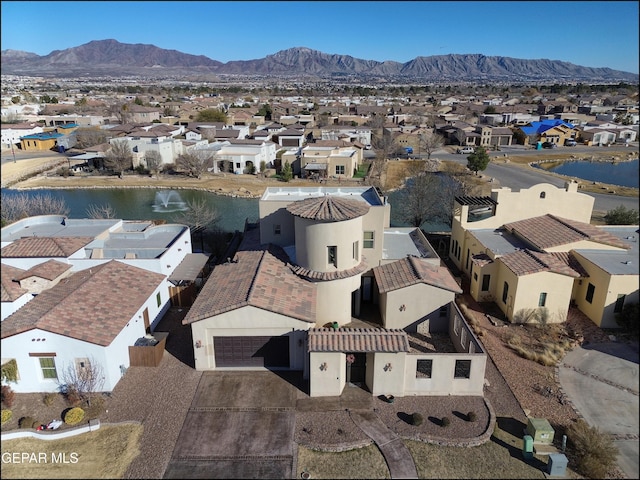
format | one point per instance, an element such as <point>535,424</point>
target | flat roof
<point>617,262</point>
<point>499,241</point>
<point>402,241</point>
<point>292,194</point>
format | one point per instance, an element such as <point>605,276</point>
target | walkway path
<point>396,454</point>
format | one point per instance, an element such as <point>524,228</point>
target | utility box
<point>540,430</point>
<point>527,447</point>
<point>557,464</point>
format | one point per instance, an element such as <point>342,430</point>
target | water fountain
<point>168,201</point>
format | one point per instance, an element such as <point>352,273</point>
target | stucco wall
<point>247,321</point>
<point>333,300</point>
<point>416,303</point>
<point>327,373</point>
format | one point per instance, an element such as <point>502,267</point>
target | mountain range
<point>112,58</point>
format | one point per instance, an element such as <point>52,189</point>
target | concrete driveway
<point>601,380</point>
<point>240,425</point>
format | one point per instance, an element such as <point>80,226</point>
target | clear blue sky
<point>587,33</point>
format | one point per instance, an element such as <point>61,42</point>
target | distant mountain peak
<point>111,58</point>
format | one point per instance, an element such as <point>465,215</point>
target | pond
<point>624,174</point>
<point>151,204</point>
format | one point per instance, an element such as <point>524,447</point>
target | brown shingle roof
<point>357,340</point>
<point>48,270</point>
<point>29,247</point>
<point>10,290</point>
<point>88,305</point>
<point>411,271</point>
<point>259,278</point>
<point>550,231</point>
<point>328,208</point>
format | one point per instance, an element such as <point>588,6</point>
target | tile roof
<point>328,208</point>
<point>30,247</point>
<point>357,340</point>
<point>9,289</point>
<point>88,305</point>
<point>49,270</point>
<point>481,259</point>
<point>260,278</point>
<point>412,271</point>
<point>325,276</point>
<point>550,231</point>
<point>525,262</point>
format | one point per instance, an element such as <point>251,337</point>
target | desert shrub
<point>73,396</point>
<point>8,396</point>
<point>595,452</point>
<point>472,417</point>
<point>6,416</point>
<point>73,415</point>
<point>49,399</point>
<point>446,422</point>
<point>28,422</point>
<point>416,419</point>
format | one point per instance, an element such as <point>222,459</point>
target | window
<point>619,304</point>
<point>48,367</point>
<point>590,290</point>
<point>543,194</point>
<point>423,368</point>
<point>485,282</point>
<point>82,364</point>
<point>463,369</point>
<point>332,255</point>
<point>276,230</point>
<point>505,292</point>
<point>356,250</point>
<point>542,301</point>
<point>159,299</point>
<point>339,169</point>
<point>368,240</point>
<point>475,276</point>
<point>444,310</point>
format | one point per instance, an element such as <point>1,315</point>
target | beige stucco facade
<point>591,270</point>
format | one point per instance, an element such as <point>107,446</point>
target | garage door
<point>251,351</point>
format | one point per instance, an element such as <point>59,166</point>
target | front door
<point>356,368</point>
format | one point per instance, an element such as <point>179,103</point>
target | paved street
<point>601,380</point>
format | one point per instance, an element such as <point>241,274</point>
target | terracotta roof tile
<point>260,278</point>
<point>411,271</point>
<point>550,231</point>
<point>49,270</point>
<point>328,208</point>
<point>325,276</point>
<point>358,340</point>
<point>525,262</point>
<point>10,290</point>
<point>30,247</point>
<point>88,305</point>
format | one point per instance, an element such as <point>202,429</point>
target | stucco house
<point>551,130</point>
<point>78,289</point>
<point>534,254</point>
<point>323,285</point>
<point>84,318</point>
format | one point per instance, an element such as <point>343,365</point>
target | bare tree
<point>195,163</point>
<point>88,137</point>
<point>430,142</point>
<point>153,159</point>
<point>200,216</point>
<point>121,112</point>
<point>119,157</point>
<point>100,211</point>
<point>22,205</point>
<point>85,376</point>
<point>429,195</point>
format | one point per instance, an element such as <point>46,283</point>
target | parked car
<point>549,145</point>
<point>464,150</point>
<point>570,143</point>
